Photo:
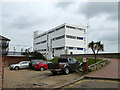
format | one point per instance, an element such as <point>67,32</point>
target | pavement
<point>95,84</point>
<point>106,77</point>
<point>109,71</point>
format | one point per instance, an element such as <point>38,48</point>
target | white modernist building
<point>63,39</point>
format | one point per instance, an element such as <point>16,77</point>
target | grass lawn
<point>55,60</point>
<point>90,60</point>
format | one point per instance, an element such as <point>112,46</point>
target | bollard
<point>85,65</point>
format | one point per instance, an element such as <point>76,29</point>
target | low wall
<point>102,55</point>
<point>14,59</point>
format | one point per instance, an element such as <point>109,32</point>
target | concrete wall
<point>105,55</point>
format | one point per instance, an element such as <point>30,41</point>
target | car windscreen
<point>62,60</point>
<point>36,61</point>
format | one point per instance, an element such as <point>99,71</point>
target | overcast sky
<point>20,19</point>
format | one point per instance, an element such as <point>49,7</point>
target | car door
<point>76,63</point>
<point>45,65</point>
<point>25,65</point>
<point>71,63</point>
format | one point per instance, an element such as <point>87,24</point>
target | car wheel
<point>16,68</point>
<point>41,68</point>
<point>54,72</point>
<point>66,71</point>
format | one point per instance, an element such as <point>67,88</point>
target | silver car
<point>20,65</point>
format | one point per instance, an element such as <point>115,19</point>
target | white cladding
<point>64,39</point>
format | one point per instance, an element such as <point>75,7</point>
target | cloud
<point>21,19</point>
<point>63,4</point>
<point>23,22</point>
<point>98,8</point>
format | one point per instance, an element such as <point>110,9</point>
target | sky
<point>21,19</point>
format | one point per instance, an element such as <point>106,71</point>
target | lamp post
<point>87,29</point>
<point>85,60</point>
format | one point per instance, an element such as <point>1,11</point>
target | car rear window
<point>62,60</point>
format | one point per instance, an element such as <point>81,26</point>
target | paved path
<point>95,84</point>
<point>109,71</point>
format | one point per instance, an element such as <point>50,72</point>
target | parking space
<point>27,78</point>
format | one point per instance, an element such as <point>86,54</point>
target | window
<point>71,27</point>
<point>70,47</point>
<point>71,60</point>
<point>72,37</point>
<point>80,28</point>
<point>51,31</point>
<point>71,53</point>
<point>44,63</point>
<point>23,62</point>
<point>60,37</point>
<point>60,48</point>
<point>80,38</point>
<point>60,28</point>
<point>41,42</point>
<point>79,48</point>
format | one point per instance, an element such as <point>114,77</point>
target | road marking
<point>92,80</point>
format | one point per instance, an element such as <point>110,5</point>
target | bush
<point>34,55</point>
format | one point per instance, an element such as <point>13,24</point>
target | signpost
<point>85,65</point>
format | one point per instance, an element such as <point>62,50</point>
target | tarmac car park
<point>27,78</point>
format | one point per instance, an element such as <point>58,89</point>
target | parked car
<point>20,65</point>
<point>42,65</point>
<point>64,65</point>
<point>33,62</point>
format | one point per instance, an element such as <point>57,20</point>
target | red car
<point>41,65</point>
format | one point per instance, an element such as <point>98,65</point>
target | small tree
<point>96,47</point>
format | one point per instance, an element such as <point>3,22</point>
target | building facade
<point>4,44</point>
<point>63,39</point>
